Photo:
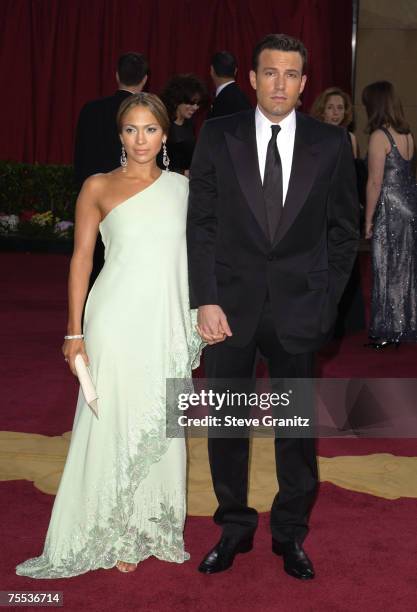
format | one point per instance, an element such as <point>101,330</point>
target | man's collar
<point>221,87</point>
<point>287,124</point>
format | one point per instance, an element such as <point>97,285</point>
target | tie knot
<point>275,130</point>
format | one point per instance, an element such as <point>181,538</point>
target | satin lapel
<point>243,151</point>
<point>304,168</point>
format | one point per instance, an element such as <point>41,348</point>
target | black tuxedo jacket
<point>230,100</point>
<point>97,142</point>
<point>232,262</point>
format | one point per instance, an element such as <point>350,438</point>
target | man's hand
<point>212,324</point>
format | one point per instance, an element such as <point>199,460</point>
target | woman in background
<point>183,95</point>
<point>121,498</point>
<point>334,106</point>
<point>391,218</point>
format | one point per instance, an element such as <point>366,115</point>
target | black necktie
<point>272,185</point>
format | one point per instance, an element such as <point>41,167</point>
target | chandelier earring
<point>123,159</point>
<point>165,158</point>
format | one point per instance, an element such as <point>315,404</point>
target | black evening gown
<point>394,252</point>
<point>180,146</point>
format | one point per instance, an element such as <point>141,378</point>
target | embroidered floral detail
<point>110,539</point>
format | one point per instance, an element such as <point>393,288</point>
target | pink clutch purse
<point>86,384</point>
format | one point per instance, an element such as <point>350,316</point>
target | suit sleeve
<point>85,146</point>
<point>202,224</point>
<point>343,220</point>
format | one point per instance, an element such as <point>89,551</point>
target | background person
<point>97,142</point>
<point>391,218</point>
<point>229,97</point>
<point>182,95</point>
<point>334,106</point>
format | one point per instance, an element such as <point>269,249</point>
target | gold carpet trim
<point>40,459</point>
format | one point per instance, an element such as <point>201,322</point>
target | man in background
<point>97,142</point>
<point>229,97</point>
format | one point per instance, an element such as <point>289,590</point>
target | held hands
<point>70,350</point>
<point>212,324</point>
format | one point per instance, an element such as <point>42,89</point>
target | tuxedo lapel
<point>243,151</point>
<point>304,168</point>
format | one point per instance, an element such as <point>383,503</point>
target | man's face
<point>278,82</point>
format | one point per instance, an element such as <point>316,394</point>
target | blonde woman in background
<point>334,106</point>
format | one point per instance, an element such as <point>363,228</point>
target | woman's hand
<point>368,230</point>
<point>70,350</point>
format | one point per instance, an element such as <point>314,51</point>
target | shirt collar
<point>263,124</point>
<point>221,87</point>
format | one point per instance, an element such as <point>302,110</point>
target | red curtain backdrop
<point>57,54</point>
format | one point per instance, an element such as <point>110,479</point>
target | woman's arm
<point>377,151</point>
<point>87,219</point>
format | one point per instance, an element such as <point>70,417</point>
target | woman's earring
<point>165,158</point>
<point>123,159</point>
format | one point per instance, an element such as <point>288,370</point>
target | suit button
<point>270,257</point>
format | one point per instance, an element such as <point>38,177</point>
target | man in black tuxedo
<point>229,97</point>
<point>97,142</point>
<point>272,237</point>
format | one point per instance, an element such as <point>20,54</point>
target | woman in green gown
<point>122,494</point>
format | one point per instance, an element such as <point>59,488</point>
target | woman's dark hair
<point>383,108</point>
<point>183,89</point>
<point>279,42</point>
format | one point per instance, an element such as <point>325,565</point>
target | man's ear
<point>117,78</point>
<point>303,83</point>
<point>252,79</point>
<point>143,82</point>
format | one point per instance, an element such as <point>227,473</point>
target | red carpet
<point>363,547</point>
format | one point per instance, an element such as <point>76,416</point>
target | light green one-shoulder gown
<point>122,492</point>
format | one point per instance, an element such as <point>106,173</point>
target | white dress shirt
<point>285,143</point>
<point>221,87</point>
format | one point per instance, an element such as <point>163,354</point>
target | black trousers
<point>295,458</point>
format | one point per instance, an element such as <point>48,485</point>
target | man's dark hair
<point>132,68</point>
<point>224,64</point>
<point>279,42</point>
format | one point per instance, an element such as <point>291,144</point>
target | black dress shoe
<point>223,555</point>
<point>296,562</point>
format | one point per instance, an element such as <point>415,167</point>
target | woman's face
<point>141,135</point>
<point>334,110</point>
<point>186,109</point>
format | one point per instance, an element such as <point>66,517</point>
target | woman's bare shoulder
<point>96,184</point>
